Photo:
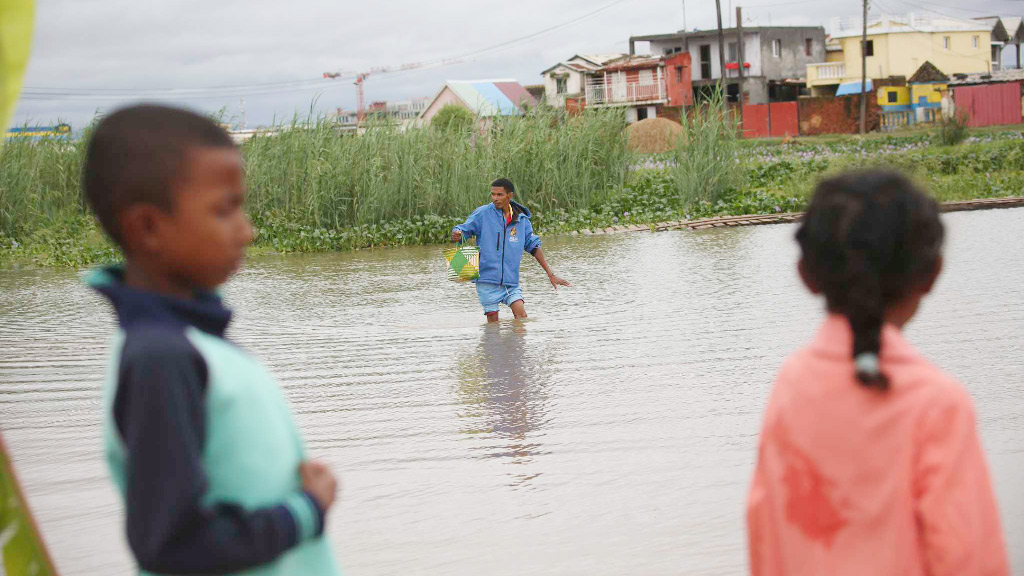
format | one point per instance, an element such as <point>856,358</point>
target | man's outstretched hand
<point>456,235</point>
<point>556,281</point>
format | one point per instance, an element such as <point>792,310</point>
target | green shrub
<point>453,118</point>
<point>953,128</point>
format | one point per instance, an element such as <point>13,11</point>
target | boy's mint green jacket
<point>202,445</point>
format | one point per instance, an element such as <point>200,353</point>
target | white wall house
<point>569,78</point>
<point>775,58</point>
<point>704,54</point>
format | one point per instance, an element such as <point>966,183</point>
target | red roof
<point>633,62</point>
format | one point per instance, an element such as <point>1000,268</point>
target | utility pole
<point>686,32</point>
<point>739,56</point>
<point>721,48</point>
<point>864,71</point>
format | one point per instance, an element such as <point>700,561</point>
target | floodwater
<point>613,433</point>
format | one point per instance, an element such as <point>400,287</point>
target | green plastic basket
<point>463,262</point>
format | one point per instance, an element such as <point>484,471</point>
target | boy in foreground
<point>503,232</point>
<point>199,438</point>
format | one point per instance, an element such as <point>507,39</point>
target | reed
<point>312,175</point>
<point>707,166</point>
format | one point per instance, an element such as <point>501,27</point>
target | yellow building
<point>898,46</point>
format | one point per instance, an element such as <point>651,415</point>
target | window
<point>641,114</point>
<point>561,85</point>
<point>732,92</point>
<point>705,61</point>
<point>731,52</point>
<point>671,51</point>
<point>679,74</point>
<point>945,42</point>
<point>777,48</point>
<point>808,47</point>
<point>870,50</point>
<point>892,97</point>
<point>974,42</point>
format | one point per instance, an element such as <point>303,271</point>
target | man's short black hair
<point>137,154</point>
<point>504,183</point>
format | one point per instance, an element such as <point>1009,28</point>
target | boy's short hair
<point>137,154</point>
<point>504,183</point>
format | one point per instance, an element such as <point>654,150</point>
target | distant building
<point>347,119</point>
<point>1006,31</point>
<point>407,109</point>
<point>40,132</point>
<point>775,59</point>
<point>484,98</point>
<point>897,46</point>
<point>920,101</point>
<point>998,37</point>
<point>568,78</point>
<point>536,90</point>
<point>643,85</point>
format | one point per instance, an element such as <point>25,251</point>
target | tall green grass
<point>309,175</point>
<point>39,184</point>
<point>313,176</point>
<point>707,156</point>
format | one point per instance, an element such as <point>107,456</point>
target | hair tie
<point>867,363</point>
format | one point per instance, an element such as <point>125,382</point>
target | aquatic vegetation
<point>314,189</point>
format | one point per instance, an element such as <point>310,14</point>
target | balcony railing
<point>610,93</point>
<point>826,73</point>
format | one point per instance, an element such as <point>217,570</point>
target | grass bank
<point>314,190</point>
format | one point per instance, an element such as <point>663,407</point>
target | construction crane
<point>360,79</point>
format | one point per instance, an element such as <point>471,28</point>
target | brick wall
<point>678,79</point>
<point>574,106</point>
<point>673,113</point>
<point>841,115</point>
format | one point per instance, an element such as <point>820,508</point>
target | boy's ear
<point>807,279</point>
<point>140,227</point>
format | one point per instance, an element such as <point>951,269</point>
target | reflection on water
<point>612,433</point>
<point>502,385</point>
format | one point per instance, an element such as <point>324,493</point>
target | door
<point>641,113</point>
<point>619,86</point>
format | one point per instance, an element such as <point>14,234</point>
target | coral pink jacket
<point>853,481</point>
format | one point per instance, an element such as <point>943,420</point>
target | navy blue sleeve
<point>160,415</point>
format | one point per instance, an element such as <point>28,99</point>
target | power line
<point>790,3</point>
<point>283,87</point>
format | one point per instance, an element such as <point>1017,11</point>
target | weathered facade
<point>775,59</point>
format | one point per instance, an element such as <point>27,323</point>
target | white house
<point>569,78</point>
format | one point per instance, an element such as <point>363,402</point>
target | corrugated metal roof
<point>633,62</point>
<point>492,97</point>
<point>1009,75</point>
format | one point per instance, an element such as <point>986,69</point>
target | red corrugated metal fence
<point>991,104</point>
<point>785,119</point>
<point>756,122</point>
<point>778,119</point>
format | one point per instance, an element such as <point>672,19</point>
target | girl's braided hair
<point>868,240</point>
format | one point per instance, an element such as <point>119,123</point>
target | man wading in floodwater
<point>503,232</point>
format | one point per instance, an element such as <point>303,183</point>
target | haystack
<point>653,135</point>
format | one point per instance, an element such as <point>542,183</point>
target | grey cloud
<point>198,43</point>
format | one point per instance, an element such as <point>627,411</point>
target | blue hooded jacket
<point>501,245</point>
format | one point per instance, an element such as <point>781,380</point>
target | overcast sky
<point>94,55</point>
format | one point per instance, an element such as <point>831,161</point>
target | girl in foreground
<point>869,460</point>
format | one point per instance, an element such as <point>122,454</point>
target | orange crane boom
<point>362,76</point>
